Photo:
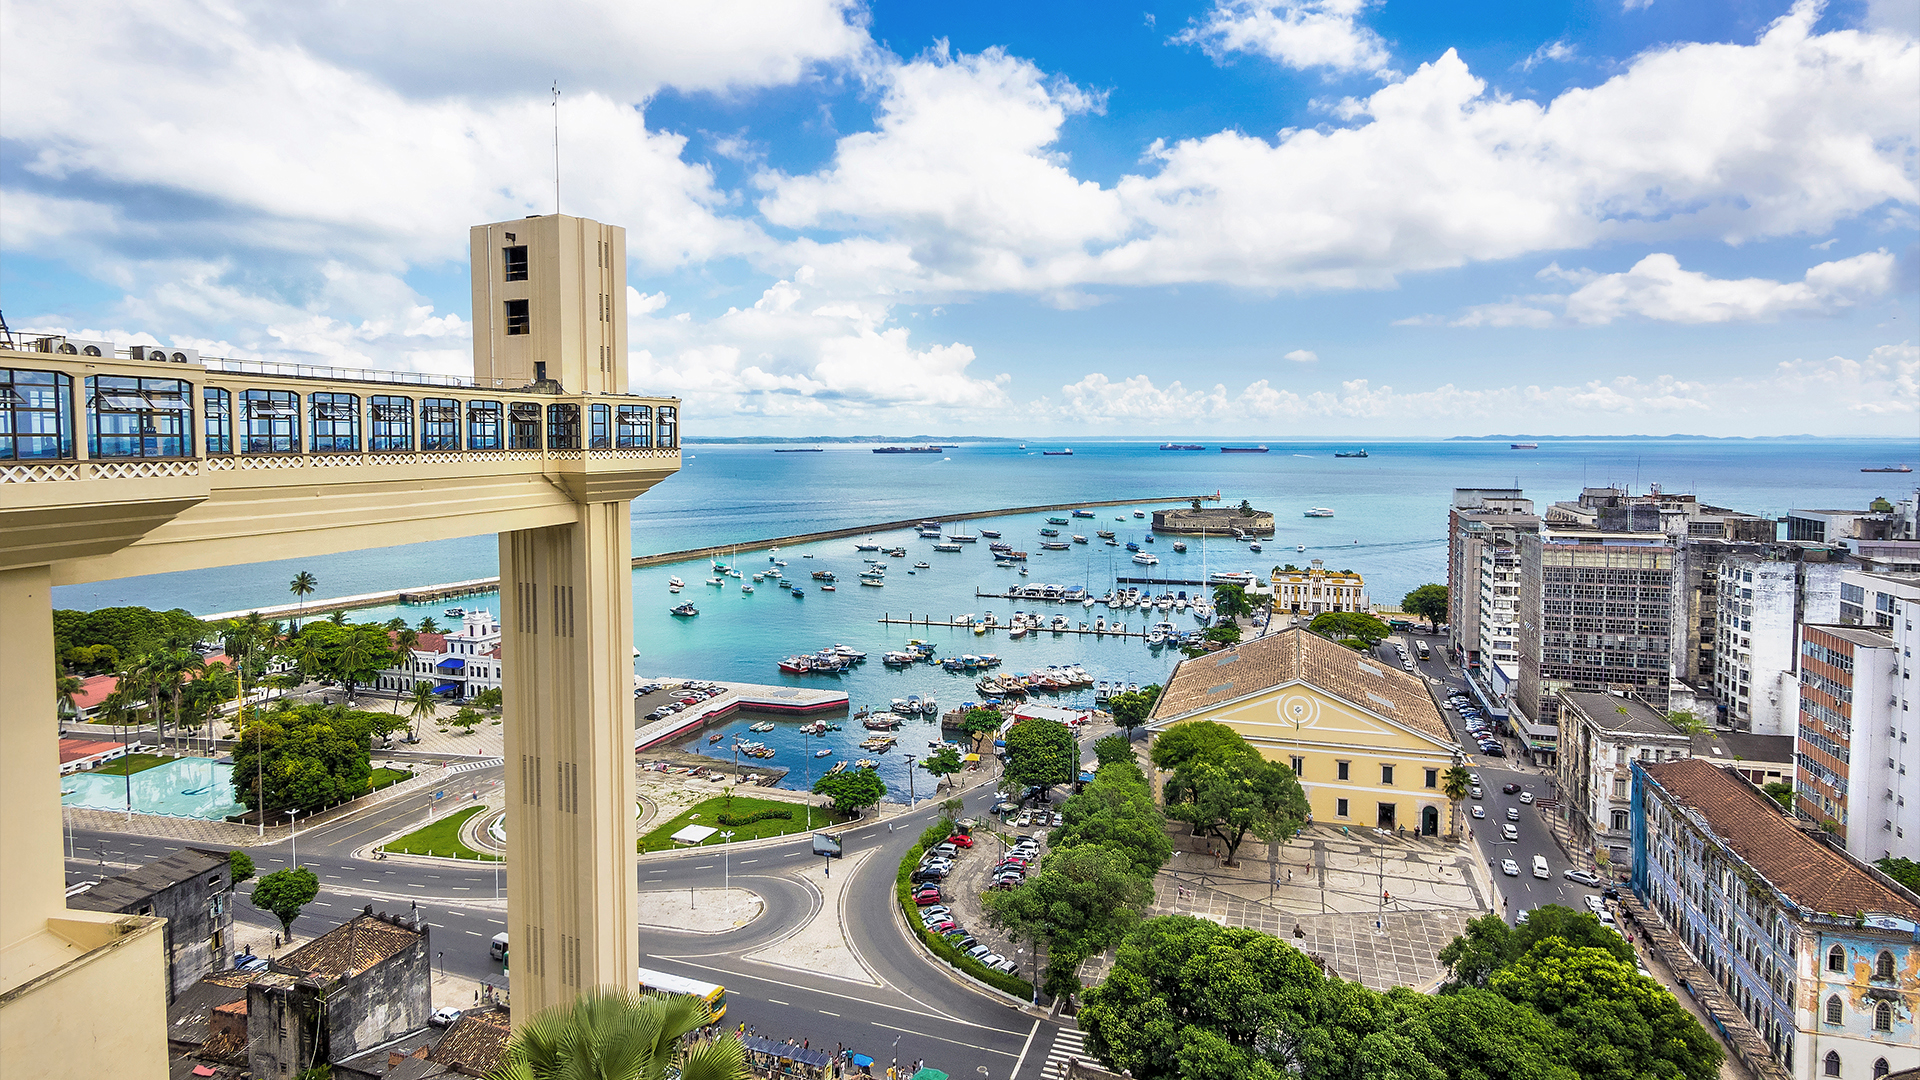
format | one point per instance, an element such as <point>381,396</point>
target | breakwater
<point>476,586</point>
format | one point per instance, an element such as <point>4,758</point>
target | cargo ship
<point>906,449</point>
<point>1181,446</point>
<point>1890,468</point>
<point>1523,446</point>
<point>1243,449</point>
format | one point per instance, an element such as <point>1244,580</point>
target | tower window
<point>515,263</point>
<point>518,321</point>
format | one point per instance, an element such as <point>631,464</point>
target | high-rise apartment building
<point>1478,518</point>
<point>1596,614</point>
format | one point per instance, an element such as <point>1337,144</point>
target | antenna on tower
<point>556,147</point>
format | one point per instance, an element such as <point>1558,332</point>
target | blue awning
<point>452,663</point>
<point>446,686</point>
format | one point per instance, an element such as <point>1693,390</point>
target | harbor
<point>988,628</point>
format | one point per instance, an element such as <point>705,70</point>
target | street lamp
<point>910,795</point>
<point>726,881</point>
<point>293,834</point>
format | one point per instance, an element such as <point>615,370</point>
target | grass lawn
<point>709,811</point>
<point>133,763</point>
<point>384,777</point>
<point>441,838</point>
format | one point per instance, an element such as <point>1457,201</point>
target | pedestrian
<point>806,1044</point>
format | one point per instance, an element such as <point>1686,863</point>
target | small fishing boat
<point>1083,513</point>
<point>828,588</point>
<point>455,613</point>
<point>1104,534</point>
<point>716,581</point>
<point>1078,539</point>
<point>685,611</point>
<point>746,588</point>
<point>799,593</point>
<point>716,736</point>
<point>822,753</point>
<point>923,566</point>
<point>673,581</point>
<point>764,725</point>
<point>1139,513</point>
<point>1180,546</point>
<point>1145,558</point>
<point>868,546</point>
<point>1255,546</point>
<point>991,534</point>
<point>1049,532</point>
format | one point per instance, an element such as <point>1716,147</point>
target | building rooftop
<point>1621,715</point>
<point>1809,872</point>
<point>1737,746</point>
<point>475,1043</point>
<point>1297,655</point>
<point>352,947</point>
<point>1871,637</point>
<point>138,885</point>
<point>187,1016</point>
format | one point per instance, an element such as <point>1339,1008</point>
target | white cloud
<point>1657,288</point>
<point>1302,356</point>
<point>1886,383</point>
<point>1554,51</point>
<point>1296,33</point>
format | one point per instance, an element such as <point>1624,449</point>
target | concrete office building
<point>122,463</point>
<point>1477,518</point>
<point>1819,951</point>
<point>193,891</point>
<point>1858,745</point>
<point>1603,735</point>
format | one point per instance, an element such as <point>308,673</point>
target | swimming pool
<point>186,787</point>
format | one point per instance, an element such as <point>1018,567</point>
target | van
<point>498,949</point>
<point>1540,867</point>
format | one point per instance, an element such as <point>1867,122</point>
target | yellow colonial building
<point>1317,589</point>
<point>1366,741</point>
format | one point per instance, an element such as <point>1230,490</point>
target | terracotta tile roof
<point>94,690</point>
<point>1298,655</point>
<point>350,948</point>
<point>475,1043</point>
<point>1810,873</point>
<point>75,749</point>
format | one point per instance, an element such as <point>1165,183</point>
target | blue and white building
<point>1819,950</point>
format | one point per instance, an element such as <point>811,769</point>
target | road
<point>1523,892</point>
<point>919,1010</point>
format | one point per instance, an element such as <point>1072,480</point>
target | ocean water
<point>1389,524</point>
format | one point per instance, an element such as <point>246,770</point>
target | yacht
<point>1319,512</point>
<point>1146,558</point>
<point>674,582</point>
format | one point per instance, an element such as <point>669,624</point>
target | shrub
<point>760,815</point>
<point>942,948</point>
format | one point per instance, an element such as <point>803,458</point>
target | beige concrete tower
<point>549,302</point>
<point>232,461</point>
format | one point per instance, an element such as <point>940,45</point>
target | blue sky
<point>1330,218</point>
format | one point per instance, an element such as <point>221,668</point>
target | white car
<point>444,1017</point>
<point>1509,868</point>
<point>1594,905</point>
<point>1479,811</point>
<point>1584,877</point>
<point>1513,814</point>
<point>1509,831</point>
<point>1527,797</point>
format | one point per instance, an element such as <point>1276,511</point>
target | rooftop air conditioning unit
<point>72,346</point>
<point>165,355</point>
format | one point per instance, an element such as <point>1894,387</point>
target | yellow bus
<point>712,994</point>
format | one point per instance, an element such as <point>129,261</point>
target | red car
<point>960,840</point>
<point>926,899</point>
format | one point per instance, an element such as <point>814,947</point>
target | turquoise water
<point>1390,525</point>
<point>185,787</point>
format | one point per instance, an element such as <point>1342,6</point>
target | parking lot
<point>972,875</point>
<point>653,701</point>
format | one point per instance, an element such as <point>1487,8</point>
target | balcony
<point>102,455</point>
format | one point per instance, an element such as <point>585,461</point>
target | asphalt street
<point>919,1010</point>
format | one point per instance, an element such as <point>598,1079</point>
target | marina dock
<point>750,697</point>
<point>1032,631</point>
<point>476,586</point>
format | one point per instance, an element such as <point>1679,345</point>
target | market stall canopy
<point>693,834</point>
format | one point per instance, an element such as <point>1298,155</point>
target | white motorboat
<point>1146,558</point>
<point>1319,512</point>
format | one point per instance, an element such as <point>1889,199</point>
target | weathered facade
<point>193,891</point>
<point>1213,521</point>
<point>359,985</point>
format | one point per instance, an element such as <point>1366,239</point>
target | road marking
<point>745,862</point>
<point>924,1010</point>
<point>777,1001</point>
<point>475,933</point>
<point>791,854</point>
<point>461,888</point>
<point>497,922</point>
<point>824,1012</point>
<point>371,881</point>
<point>414,885</point>
<point>320,903</point>
<point>707,866</point>
<point>1023,1050</point>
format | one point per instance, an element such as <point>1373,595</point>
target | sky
<point>1277,218</point>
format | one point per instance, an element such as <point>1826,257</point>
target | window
<point>668,435</point>
<point>216,406</point>
<point>1833,1010</point>
<point>129,417</point>
<point>1340,807</point>
<point>483,425</point>
<point>1298,764</point>
<point>633,426</point>
<point>1831,1067</point>
<point>1880,1068</point>
<point>599,426</point>
<point>392,421</point>
<point>336,422</point>
<point>439,424</point>
<point>514,263</point>
<point>1433,778</point>
<point>1342,766</point>
<point>523,425</point>
<point>273,421</point>
<point>1619,821</point>
<point>563,426</point>
<point>1883,965</point>
<point>1836,959</point>
<point>1386,774</point>
<point>1883,1016</point>
<point>35,415</point>
<point>518,321</point>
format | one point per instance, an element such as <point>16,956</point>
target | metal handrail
<point>308,371</point>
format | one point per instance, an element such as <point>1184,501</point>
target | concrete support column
<point>566,597</point>
<point>32,873</point>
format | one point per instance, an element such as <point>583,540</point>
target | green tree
<point>1131,709</point>
<point>1237,796</point>
<point>1577,928</point>
<point>349,654</point>
<point>613,1034</point>
<point>1111,748</point>
<point>1618,1023</point>
<point>981,721</point>
<point>852,791</point>
<point>1781,792</point>
<point>942,763</point>
<point>1116,811</point>
<point>465,720</point>
<point>1348,627</point>
<point>1429,602</point>
<point>1080,902</point>
<point>1187,997</point>
<point>1486,947</point>
<point>174,670</point>
<point>284,893</point>
<point>66,694</point>
<point>489,699</point>
<point>241,864</point>
<point>1228,634</point>
<point>1905,871</point>
<point>1230,601</point>
<point>1455,783</point>
<point>302,586</point>
<point>1197,740</point>
<point>428,625</point>
<point>422,706</point>
<point>1040,753</point>
<point>308,757</point>
<point>110,635</point>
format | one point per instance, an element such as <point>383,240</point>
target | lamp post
<point>910,795</point>
<point>726,879</point>
<point>293,834</point>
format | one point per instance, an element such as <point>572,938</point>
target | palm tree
<point>1455,784</point>
<point>614,1034</point>
<point>428,626</point>
<point>424,704</point>
<point>174,668</point>
<point>404,639</point>
<point>66,693</point>
<point>302,586</point>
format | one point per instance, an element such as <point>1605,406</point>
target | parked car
<point>961,940</point>
<point>924,898</point>
<point>938,910</point>
<point>960,840</point>
<point>1509,868</point>
<point>1584,877</point>
<point>923,876</point>
<point>1025,818</point>
<point>1005,965</point>
<point>444,1017</point>
<point>1058,819</point>
<point>944,851</point>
